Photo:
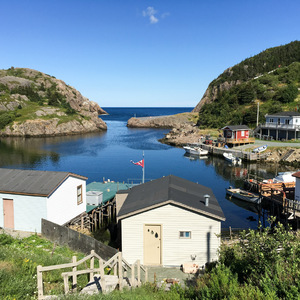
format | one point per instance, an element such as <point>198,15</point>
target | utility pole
<point>257,117</point>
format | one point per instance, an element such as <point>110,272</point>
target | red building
<point>237,134</point>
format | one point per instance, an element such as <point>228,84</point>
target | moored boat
<point>260,149</point>
<point>243,195</point>
<point>231,158</point>
<point>195,150</point>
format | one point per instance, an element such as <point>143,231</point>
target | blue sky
<point>138,52</point>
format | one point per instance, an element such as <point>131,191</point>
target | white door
<point>152,244</point>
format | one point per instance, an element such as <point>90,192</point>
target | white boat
<point>243,195</point>
<point>282,177</point>
<point>195,150</point>
<point>232,159</point>
<point>260,149</point>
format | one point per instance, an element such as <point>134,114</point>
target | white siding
<point>28,211</point>
<point>175,251</point>
<point>62,204</point>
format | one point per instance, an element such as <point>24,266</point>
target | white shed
<point>27,196</point>
<point>170,221</point>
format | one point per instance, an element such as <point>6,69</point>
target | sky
<point>139,53</point>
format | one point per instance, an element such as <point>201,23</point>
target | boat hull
<point>195,150</point>
<point>243,195</point>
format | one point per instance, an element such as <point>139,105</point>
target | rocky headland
<point>34,104</point>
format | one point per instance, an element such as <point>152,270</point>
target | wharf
<point>277,197</point>
<point>244,155</point>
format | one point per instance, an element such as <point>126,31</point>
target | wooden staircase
<point>287,155</point>
<point>100,282</point>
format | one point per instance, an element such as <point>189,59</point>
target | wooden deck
<point>238,142</point>
<point>244,155</point>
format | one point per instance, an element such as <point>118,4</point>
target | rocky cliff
<point>36,104</point>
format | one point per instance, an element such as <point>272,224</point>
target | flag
<point>139,163</point>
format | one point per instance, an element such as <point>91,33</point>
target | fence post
<point>40,282</point>
<point>92,264</point>
<point>66,283</point>
<point>139,273</point>
<point>120,271</point>
<point>146,274</point>
<point>132,275</point>
<point>74,277</point>
<point>102,273</point>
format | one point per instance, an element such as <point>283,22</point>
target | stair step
<point>110,283</point>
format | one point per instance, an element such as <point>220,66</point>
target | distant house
<point>169,221</point>
<point>27,196</point>
<point>283,125</point>
<point>237,134</point>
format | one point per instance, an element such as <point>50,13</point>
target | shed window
<point>184,234</point>
<point>79,195</point>
<point>243,133</point>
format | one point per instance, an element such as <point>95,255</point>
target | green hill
<point>271,78</point>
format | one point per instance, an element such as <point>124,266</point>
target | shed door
<point>8,213</point>
<point>152,244</point>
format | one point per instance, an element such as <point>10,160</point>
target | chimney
<point>206,197</point>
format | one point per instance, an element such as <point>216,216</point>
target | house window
<point>287,121</point>
<point>271,120</point>
<point>278,121</point>
<point>79,195</point>
<point>184,234</point>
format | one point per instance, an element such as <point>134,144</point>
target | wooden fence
<point>117,263</point>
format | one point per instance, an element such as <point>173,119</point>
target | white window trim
<point>79,194</point>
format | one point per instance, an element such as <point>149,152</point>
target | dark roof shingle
<point>171,189</point>
<point>31,182</point>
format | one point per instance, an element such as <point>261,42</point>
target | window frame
<point>184,234</point>
<point>79,194</point>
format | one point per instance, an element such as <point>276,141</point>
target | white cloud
<point>150,12</point>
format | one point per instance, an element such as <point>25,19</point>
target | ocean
<point>107,155</point>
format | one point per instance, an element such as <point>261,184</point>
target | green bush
<point>6,118</point>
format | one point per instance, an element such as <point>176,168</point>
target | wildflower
<point>26,260</point>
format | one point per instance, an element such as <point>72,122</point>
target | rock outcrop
<point>171,121</point>
<point>55,107</point>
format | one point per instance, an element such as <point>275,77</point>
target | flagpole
<point>143,168</point>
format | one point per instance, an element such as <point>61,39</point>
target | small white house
<point>27,196</point>
<point>170,221</point>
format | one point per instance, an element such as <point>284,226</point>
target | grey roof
<point>237,127</point>
<point>286,114</point>
<point>171,190</point>
<point>30,182</point>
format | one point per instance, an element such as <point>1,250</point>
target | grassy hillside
<point>271,78</point>
<point>255,265</point>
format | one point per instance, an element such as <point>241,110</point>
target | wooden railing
<point>116,263</point>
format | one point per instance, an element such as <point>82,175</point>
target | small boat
<point>195,150</point>
<point>243,195</point>
<point>260,149</point>
<point>232,159</point>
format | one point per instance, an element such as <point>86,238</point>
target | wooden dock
<point>277,197</point>
<point>244,155</point>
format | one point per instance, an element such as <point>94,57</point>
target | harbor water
<point>107,155</point>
